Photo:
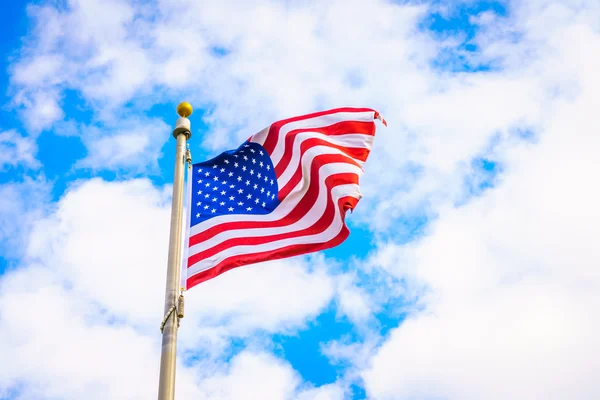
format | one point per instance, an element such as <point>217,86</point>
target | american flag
<point>283,192</point>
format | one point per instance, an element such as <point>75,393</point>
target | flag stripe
<point>345,129</point>
<point>315,228</point>
<point>293,223</point>
<point>206,230</point>
<point>357,147</point>
<point>245,250</point>
<point>277,132</point>
<point>315,194</point>
<point>283,252</point>
<point>294,183</point>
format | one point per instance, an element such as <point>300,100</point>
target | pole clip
<point>178,307</point>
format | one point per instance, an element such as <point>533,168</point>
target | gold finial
<point>184,109</point>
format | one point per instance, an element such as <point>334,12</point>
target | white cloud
<point>131,144</point>
<point>17,150</point>
<point>512,276</point>
<point>88,300</point>
<point>21,204</point>
<point>507,281</point>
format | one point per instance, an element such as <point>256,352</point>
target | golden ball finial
<point>184,109</point>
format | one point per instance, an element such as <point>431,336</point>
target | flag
<point>283,192</point>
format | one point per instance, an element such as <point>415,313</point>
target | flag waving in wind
<point>282,193</point>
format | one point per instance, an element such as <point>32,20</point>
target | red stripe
<point>297,177</point>
<point>299,210</point>
<point>338,129</point>
<point>273,135</point>
<point>319,226</point>
<point>293,250</point>
<point>356,153</point>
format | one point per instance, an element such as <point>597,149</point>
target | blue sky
<point>467,254</point>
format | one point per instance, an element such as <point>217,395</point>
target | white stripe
<point>354,141</point>
<point>351,140</point>
<point>260,137</point>
<point>286,206</point>
<point>332,231</point>
<point>317,122</point>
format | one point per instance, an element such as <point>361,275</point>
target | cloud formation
<point>480,198</point>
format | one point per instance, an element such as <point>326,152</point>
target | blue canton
<point>238,181</point>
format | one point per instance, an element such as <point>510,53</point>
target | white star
<point>252,150</point>
<point>200,181</point>
<point>231,186</point>
<point>206,196</point>
<point>216,179</point>
<point>269,193</point>
<point>240,191</point>
<point>236,164</point>
<point>259,175</point>
<point>222,203</point>
<point>272,196</point>
<point>215,188</point>
<point>271,181</point>
<point>245,158</point>
<point>230,209</point>
<point>266,178</point>
<point>235,155</point>
<point>243,168</point>
<point>260,152</point>
<point>198,203</point>
<point>240,204</point>
<point>207,174</point>
<point>230,174</point>
<point>261,163</point>
<point>249,196</point>
<point>215,166</point>
<point>262,190</point>
<point>226,161</point>
<point>263,204</point>
<point>206,207</point>
<point>213,211</point>
<point>246,145</point>
<point>222,170</point>
<point>239,178</point>
<point>249,208</point>
<point>255,186</point>
<point>207,184</point>
<point>198,215</point>
<point>199,191</point>
<point>222,192</point>
<point>253,161</point>
<point>268,167</point>
<point>247,183</point>
<point>214,199</point>
<point>223,182</point>
<point>256,201</point>
<point>251,172</point>
<point>231,198</point>
<point>199,170</point>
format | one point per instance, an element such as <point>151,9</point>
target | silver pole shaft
<point>166,387</point>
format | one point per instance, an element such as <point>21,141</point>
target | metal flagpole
<point>166,386</point>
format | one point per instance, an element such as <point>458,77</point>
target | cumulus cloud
<point>500,288</point>
<point>131,145</point>
<point>17,150</point>
<point>88,298</point>
<point>21,204</point>
<point>512,275</point>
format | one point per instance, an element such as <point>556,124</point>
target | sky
<point>472,269</point>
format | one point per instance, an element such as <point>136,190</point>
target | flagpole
<point>166,386</point>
